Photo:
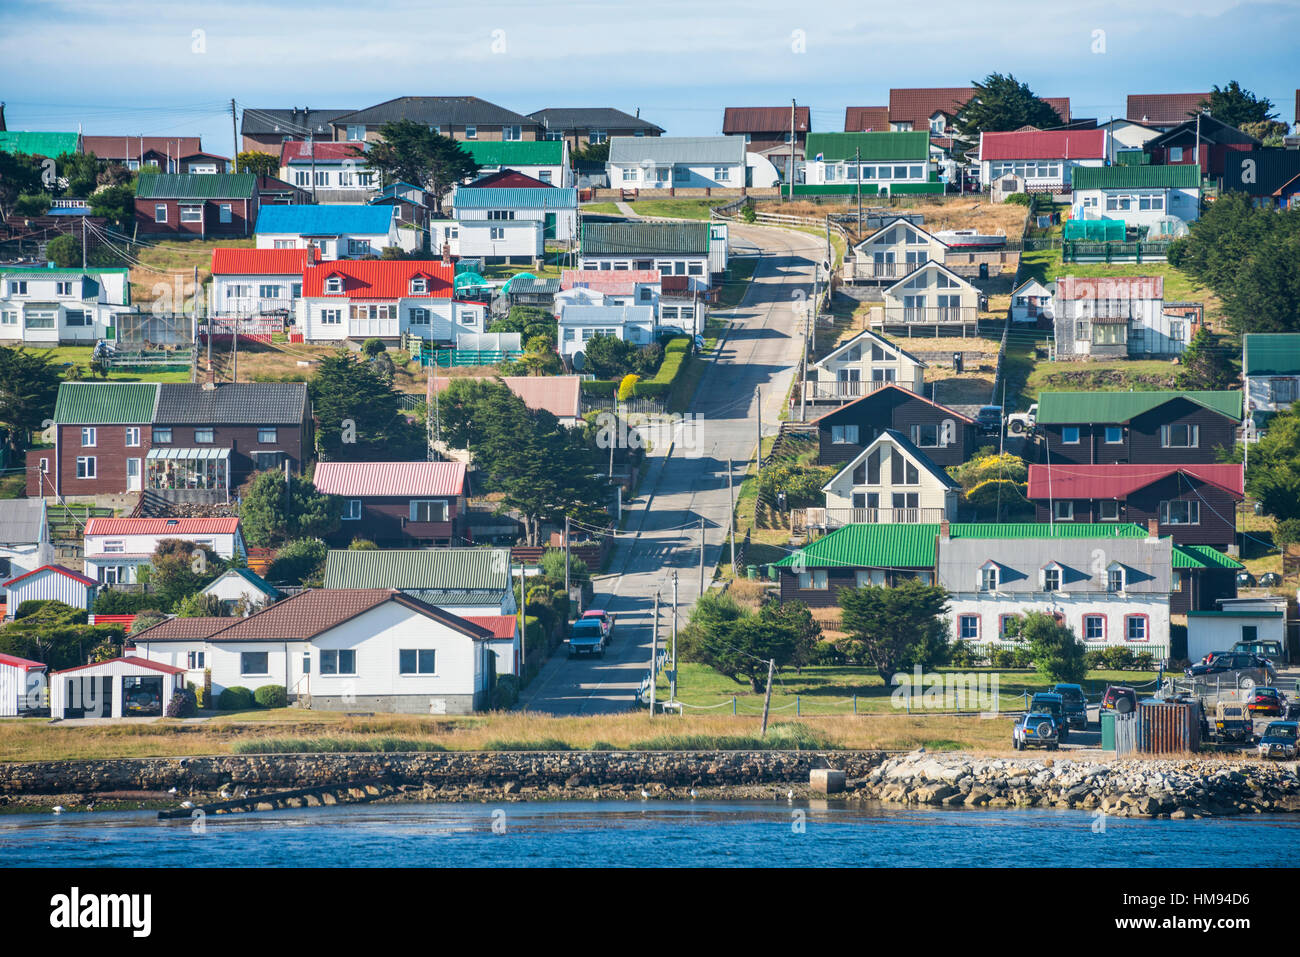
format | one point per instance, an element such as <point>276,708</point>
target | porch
<point>189,475</point>
<point>829,518</point>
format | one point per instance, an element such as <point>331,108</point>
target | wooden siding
<point>893,409</point>
<point>1217,525</point>
<point>1141,445</point>
<point>385,520</point>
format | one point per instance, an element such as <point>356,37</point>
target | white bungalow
<point>1032,300</point>
<point>578,324</point>
<point>115,548</point>
<point>933,295</point>
<point>49,582</point>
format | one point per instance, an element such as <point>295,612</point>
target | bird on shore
<point>645,795</point>
<point>58,809</point>
<point>693,794</point>
<point>187,804</point>
<point>171,790</point>
<point>224,794</point>
<point>789,795</point>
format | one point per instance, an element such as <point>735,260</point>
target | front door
<point>133,475</point>
<point>548,229</point>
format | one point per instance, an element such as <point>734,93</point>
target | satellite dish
<point>579,361</point>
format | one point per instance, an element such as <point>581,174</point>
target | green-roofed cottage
<point>1270,367</point>
<point>52,145</point>
<point>204,204</point>
<point>874,163</point>
<point>1141,196</point>
<point>473,580</point>
<point>42,306</point>
<point>545,160</point>
<point>693,250</point>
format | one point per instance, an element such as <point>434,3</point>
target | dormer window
<point>419,286</point>
<point>989,576</point>
<point>334,285</point>
<point>1115,577</point>
<point>1051,577</point>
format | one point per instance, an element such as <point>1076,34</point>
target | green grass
<point>782,736</point>
<point>69,357</point>
<point>674,208</point>
<point>610,209</point>
<point>1119,375</point>
<point>13,486</point>
<point>1046,266</point>
<point>740,271</point>
<point>332,745</point>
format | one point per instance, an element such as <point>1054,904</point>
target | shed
<point>1219,630</point>
<point>121,687</point>
<point>50,582</point>
<point>241,584</point>
<point>21,684</point>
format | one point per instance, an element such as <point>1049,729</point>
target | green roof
<point>195,185</point>
<point>872,146</point>
<point>515,152</point>
<point>1269,353</point>
<point>460,569</point>
<point>1065,408</point>
<point>105,403</point>
<point>1202,556</point>
<point>62,273</point>
<point>645,239</point>
<point>38,144</point>
<point>912,546</point>
<point>1182,176</point>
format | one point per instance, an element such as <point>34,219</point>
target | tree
<point>56,634</point>
<point>528,321</point>
<point>1274,474</point>
<point>257,162</point>
<point>592,153</point>
<point>552,566</point>
<point>81,171</point>
<point>795,617</point>
<point>735,643</point>
<point>269,513</point>
<point>1266,294</point>
<point>179,568</point>
<point>201,605</point>
<point>1236,106</point>
<point>609,357</point>
<point>359,415</point>
<point>64,251</point>
<point>410,152</point>
<point>19,174</point>
<point>114,203</point>
<point>1204,364</point>
<point>29,384</point>
<point>1057,652</point>
<point>994,483</point>
<point>115,174</point>
<point>146,618</point>
<point>1002,103</point>
<point>539,358</point>
<point>1268,132</point>
<point>32,204</point>
<point>895,629</point>
<point>460,407</point>
<point>300,561</point>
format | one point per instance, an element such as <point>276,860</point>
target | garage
<point>121,688</point>
<point>22,686</point>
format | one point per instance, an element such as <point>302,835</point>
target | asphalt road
<point>662,534</point>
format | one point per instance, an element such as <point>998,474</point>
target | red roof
<point>1119,481</point>
<point>883,390</point>
<point>183,629</point>
<point>298,151</point>
<point>369,479</point>
<point>919,104</point>
<point>866,119</point>
<point>59,569</point>
<point>608,281</point>
<point>170,527</point>
<point>1110,287</point>
<point>501,626</point>
<point>380,278</point>
<point>1048,144</point>
<point>763,119</point>
<point>135,662</point>
<point>559,395</point>
<point>260,262</point>
<point>1059,103</point>
<point>131,147</point>
<point>26,664</point>
<point>507,178</point>
<point>1163,108</point>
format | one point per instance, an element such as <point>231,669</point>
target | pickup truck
<point>587,637</point>
<point>1019,423</point>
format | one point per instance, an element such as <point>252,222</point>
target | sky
<point>130,67</point>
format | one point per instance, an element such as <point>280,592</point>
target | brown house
<point>262,131</point>
<point>946,437</point>
<point>769,130</point>
<point>397,504</point>
<point>460,117</point>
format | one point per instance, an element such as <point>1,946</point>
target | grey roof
<point>591,118</point>
<point>437,111</point>
<point>441,569</point>
<point>293,122</point>
<point>605,315</point>
<point>647,238</point>
<point>533,286</point>
<point>664,150</point>
<point>1084,563</point>
<point>871,337</point>
<point>457,598</point>
<point>22,521</point>
<point>232,403</point>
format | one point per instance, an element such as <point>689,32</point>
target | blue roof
<point>490,197</point>
<point>324,220</point>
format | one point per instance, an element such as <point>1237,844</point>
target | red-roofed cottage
<point>1042,158</point>
<point>1117,317</point>
<point>115,548</point>
<point>258,282</point>
<point>384,298</point>
<point>397,504</point>
<point>49,582</point>
<point>121,688</point>
<point>332,172</point>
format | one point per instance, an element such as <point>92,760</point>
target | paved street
<point>662,533</point>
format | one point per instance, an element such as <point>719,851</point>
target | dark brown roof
<point>763,119</point>
<point>919,104</point>
<point>866,119</point>
<point>1163,108</point>
<point>183,629</point>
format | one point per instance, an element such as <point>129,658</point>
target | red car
<point>1266,701</point>
<point>605,618</point>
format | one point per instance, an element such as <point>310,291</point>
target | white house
<point>674,249</point>
<point>129,687</point>
<point>239,588</point>
<point>257,282</point>
<point>1044,159</point>
<point>1270,367</point>
<point>331,172</point>
<point>24,538</point>
<point>518,241</point>
<point>1031,300</point>
<point>1209,631</point>
<point>555,208</point>
<point>578,324</point>
<point>1126,136</point>
<point>544,160</point>
<point>336,232</point>
<point>444,237</point>
<point>895,250</point>
<point>1116,317</point>
<point>871,163</point>
<point>1139,195</point>
<point>49,582</point>
<point>47,307</point>
<point>1110,588</point>
<point>373,649</point>
<point>891,480</point>
<point>931,294</point>
<point>115,548</point>
<point>863,363</point>
<point>594,287</point>
<point>682,162</point>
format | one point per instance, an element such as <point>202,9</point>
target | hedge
<point>235,699</point>
<point>271,696</point>
<point>676,351</point>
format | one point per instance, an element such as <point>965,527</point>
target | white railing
<point>834,517</point>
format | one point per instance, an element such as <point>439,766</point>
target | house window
<point>114,546</point>
<point>359,247</point>
<point>544,175</point>
<point>338,662</point>
<point>334,284</point>
<point>9,317</point>
<point>1052,578</point>
<point>204,436</point>
<point>87,438</point>
<point>1064,511</point>
<point>1094,628</point>
<point>496,232</point>
<point>63,289</point>
<point>224,213</point>
<point>419,317</point>
<point>269,292</point>
<point>17,287</point>
<point>76,317</point>
<point>195,660</point>
<point>162,436</point>
<point>419,286</point>
<point>160,213</point>
<point>85,466</point>
<point>132,435</point>
<point>815,579</point>
<point>254,663</point>
<point>413,661</point>
<point>873,467</point>
<point>969,626</point>
<point>989,578</point>
<point>115,574</point>
<point>1114,435</point>
<point>1180,436</point>
<point>331,317</point>
<point>721,174</point>
<point>511,133</point>
<point>352,510</point>
<point>902,472</point>
<point>926,436</point>
<point>268,460</point>
<point>1115,580</point>
<point>1005,623</point>
<point>596,137</point>
<point>428,510</point>
<point>356,132</point>
<point>1135,627</point>
<point>301,177</point>
<point>1180,513</point>
<point>191,214</point>
<point>1109,511</point>
<point>265,436</point>
<point>41,320</point>
<point>1175,154</point>
<point>1070,435</point>
<point>844,435</point>
<point>471,132</point>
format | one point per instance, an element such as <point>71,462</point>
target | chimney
<point>945,534</point>
<point>1153,528</point>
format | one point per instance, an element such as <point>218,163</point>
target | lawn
<point>14,485</point>
<point>735,283</point>
<point>674,208</point>
<point>604,209</point>
<point>78,357</point>
<point>1120,375</point>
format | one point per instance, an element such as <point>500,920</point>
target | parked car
<point>1120,699</point>
<point>1020,422</point>
<point>1076,705</point>
<point>1279,741</point>
<point>1035,728</point>
<point>606,621</point>
<point>1268,701</point>
<point>1235,668</point>
<point>1051,703</point>
<point>1232,722</point>
<point>586,637</point>
<point>989,419</point>
<point>142,701</point>
<point>1272,650</point>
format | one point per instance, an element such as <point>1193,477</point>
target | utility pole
<point>194,330</point>
<point>731,515</point>
<point>758,394</point>
<point>234,352</point>
<point>789,166</point>
<point>857,162</point>
<point>654,654</point>
<point>701,556</point>
<point>523,624</point>
<point>803,379</point>
<point>672,684</point>
<point>234,136</point>
<point>767,698</point>
<point>566,558</point>
<point>83,242</point>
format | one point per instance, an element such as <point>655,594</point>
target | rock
<point>826,781</point>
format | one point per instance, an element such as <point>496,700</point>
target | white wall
<point>1073,607</point>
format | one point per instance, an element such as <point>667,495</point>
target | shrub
<point>114,602</point>
<point>146,618</point>
<point>300,560</point>
<point>1019,199</point>
<point>1002,658</point>
<point>235,699</point>
<point>962,656</point>
<point>184,703</point>
<point>506,692</point>
<point>373,347</point>
<point>1144,661</point>
<point>271,696</point>
<point>1117,658</point>
<point>1094,658</point>
<point>546,744</point>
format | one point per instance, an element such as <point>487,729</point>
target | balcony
<point>241,306</point>
<point>828,518</point>
<point>897,316</point>
<point>841,391</point>
<point>866,269</point>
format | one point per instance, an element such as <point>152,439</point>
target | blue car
<point>1036,729</point>
<point>587,637</point>
<point>1279,741</point>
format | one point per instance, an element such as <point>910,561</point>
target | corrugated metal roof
<point>834,147</point>
<point>364,479</point>
<point>1043,144</point>
<point>172,527</point>
<point>381,278</point>
<point>559,395</point>
<point>1163,108</point>
<point>668,150</point>
<point>451,569</point>
<point>501,626</point>
<point>1103,288</point>
<point>197,186</point>
<point>53,273</point>
<point>647,239</point>
<point>22,520</point>
<point>1066,408</point>
<point>38,144</point>
<point>1137,177</point>
<point>607,280</point>
<point>202,454</point>
<point>134,147</point>
<point>1202,556</point>
<point>300,151</point>
<point>130,662</point>
<point>232,403</point>
<point>53,569</point>
<point>515,152</point>
<point>575,119</point>
<point>259,262</point>
<point>303,220</point>
<point>1270,170</point>
<point>26,664</point>
<point>1266,353</point>
<point>490,197</point>
<point>291,122</point>
<point>605,315</point>
<point>863,119</point>
<point>1119,481</point>
<point>105,403</point>
<point>764,119</point>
